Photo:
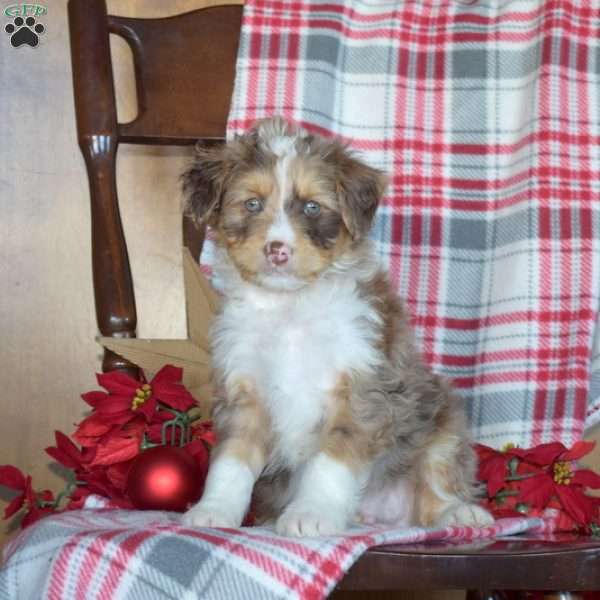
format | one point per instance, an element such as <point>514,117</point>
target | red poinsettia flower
<point>493,467</point>
<point>128,397</point>
<point>66,452</point>
<point>125,416</point>
<point>13,478</point>
<point>539,481</point>
<point>559,480</point>
<point>93,466</point>
<point>34,502</point>
<point>96,425</point>
<point>546,454</point>
<point>120,444</point>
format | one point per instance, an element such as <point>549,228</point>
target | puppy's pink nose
<point>277,253</point>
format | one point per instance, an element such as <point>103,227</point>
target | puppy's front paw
<point>464,514</point>
<point>209,514</point>
<point>302,520</point>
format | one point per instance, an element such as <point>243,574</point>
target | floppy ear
<point>359,190</point>
<point>204,182</point>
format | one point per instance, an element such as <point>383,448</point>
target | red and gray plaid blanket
<point>486,115</point>
<point>97,554</point>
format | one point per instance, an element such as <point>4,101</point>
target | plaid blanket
<point>101,553</point>
<point>487,117</point>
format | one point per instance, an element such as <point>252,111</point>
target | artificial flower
<point>121,444</point>
<point>561,480</point>
<point>547,454</point>
<point>128,397</point>
<point>37,504</point>
<point>128,417</point>
<point>541,481</point>
<point>493,466</point>
<point>13,478</point>
<point>66,452</point>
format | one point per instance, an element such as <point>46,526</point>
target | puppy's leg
<point>330,484</point>
<point>237,461</point>
<point>446,472</point>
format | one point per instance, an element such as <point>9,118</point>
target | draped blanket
<point>99,553</point>
<point>486,116</point>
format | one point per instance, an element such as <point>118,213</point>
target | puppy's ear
<point>359,190</point>
<point>204,183</point>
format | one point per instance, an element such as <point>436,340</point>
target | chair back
<point>184,68</point>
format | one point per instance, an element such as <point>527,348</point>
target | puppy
<point>327,413</point>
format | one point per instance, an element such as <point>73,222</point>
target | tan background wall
<point>47,353</point>
<point>48,356</point>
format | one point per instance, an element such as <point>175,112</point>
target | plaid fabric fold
<point>487,118</point>
<point>104,553</point>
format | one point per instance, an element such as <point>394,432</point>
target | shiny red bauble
<point>164,478</point>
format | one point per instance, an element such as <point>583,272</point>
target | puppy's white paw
<point>304,520</point>
<point>210,514</point>
<point>464,514</point>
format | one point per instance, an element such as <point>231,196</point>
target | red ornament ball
<point>164,478</point>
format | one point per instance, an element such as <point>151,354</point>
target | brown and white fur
<point>327,413</point>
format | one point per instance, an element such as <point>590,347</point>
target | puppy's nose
<point>277,253</point>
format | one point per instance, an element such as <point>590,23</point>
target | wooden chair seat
<point>185,69</point>
<point>566,562</point>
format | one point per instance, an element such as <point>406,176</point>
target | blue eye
<point>311,208</point>
<point>254,205</point>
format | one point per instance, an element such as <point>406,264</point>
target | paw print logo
<point>24,31</point>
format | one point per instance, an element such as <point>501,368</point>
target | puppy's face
<point>284,205</point>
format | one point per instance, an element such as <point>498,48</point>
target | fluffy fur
<point>326,413</point>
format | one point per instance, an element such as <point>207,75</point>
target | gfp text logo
<point>24,30</point>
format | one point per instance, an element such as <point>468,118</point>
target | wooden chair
<point>184,68</point>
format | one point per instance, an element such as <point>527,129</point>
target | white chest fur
<point>295,346</point>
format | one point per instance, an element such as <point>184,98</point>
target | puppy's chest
<point>295,351</point>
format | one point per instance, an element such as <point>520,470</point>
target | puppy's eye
<point>254,205</point>
<point>311,208</point>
